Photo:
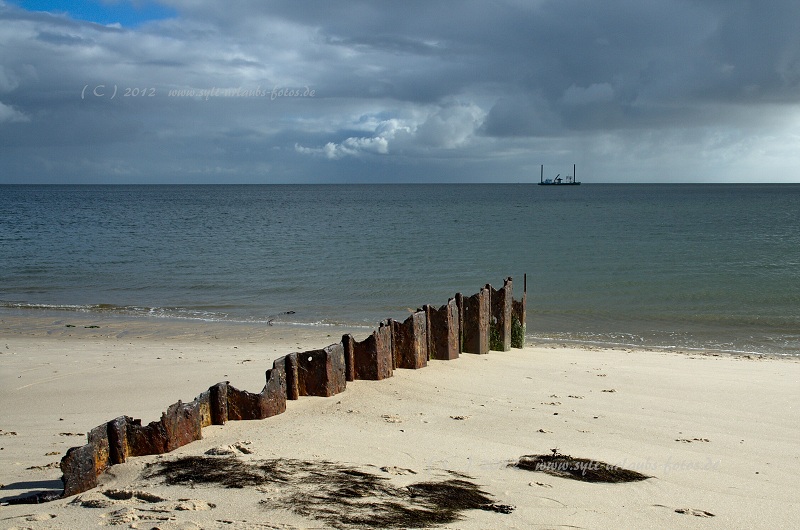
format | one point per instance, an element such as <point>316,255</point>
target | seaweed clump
<point>495,338</point>
<point>517,333</point>
<point>582,469</point>
<point>340,495</point>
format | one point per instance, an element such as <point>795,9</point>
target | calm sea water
<point>687,266</point>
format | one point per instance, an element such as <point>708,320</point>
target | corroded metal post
<point>501,301</point>
<point>410,341</point>
<point>475,318</point>
<point>443,331</point>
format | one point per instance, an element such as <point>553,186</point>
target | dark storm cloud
<point>363,91</point>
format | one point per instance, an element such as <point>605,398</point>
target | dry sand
<point>719,435</point>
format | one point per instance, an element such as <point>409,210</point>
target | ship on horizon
<point>569,180</point>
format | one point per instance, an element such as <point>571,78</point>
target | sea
<point>686,266</point>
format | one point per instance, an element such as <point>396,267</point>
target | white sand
<point>719,435</point>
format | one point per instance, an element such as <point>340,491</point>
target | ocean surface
<point>671,266</point>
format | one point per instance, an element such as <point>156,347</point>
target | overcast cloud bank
<point>640,91</point>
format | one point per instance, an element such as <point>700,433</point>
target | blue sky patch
<point>125,12</point>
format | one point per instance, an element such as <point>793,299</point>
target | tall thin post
<point>541,174</point>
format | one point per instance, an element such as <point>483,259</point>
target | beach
<point>280,266</point>
<point>718,435</point>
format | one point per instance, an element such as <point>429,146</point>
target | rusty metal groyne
<point>490,319</point>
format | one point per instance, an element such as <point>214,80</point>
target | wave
<point>124,310</point>
<point>744,344</point>
<point>178,313</point>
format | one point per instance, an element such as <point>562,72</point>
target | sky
<point>203,91</point>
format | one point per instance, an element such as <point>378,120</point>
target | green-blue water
<point>689,266</point>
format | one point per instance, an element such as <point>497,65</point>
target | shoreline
<point>53,323</point>
<point>79,324</point>
<point>716,432</point>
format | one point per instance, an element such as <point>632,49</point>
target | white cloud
<point>384,132</point>
<point>9,114</point>
<point>451,126</point>
<point>355,146</point>
<point>448,127</point>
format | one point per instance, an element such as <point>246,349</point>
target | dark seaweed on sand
<point>340,495</point>
<point>191,470</point>
<point>582,469</point>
